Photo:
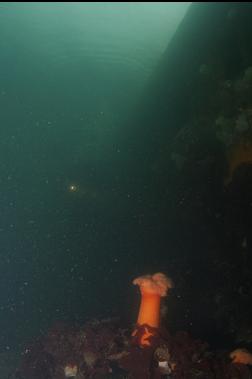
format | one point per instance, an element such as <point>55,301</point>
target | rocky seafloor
<point>103,349</point>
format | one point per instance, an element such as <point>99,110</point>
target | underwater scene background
<point>126,150</point>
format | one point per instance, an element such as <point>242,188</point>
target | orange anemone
<point>240,153</point>
<point>152,288</point>
<point>242,356</point>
